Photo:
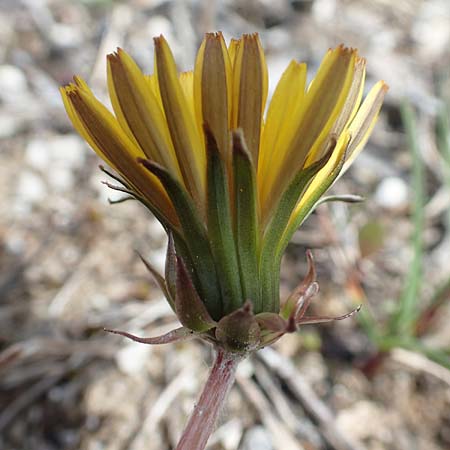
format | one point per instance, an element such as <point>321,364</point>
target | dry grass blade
<point>312,404</point>
<point>283,439</point>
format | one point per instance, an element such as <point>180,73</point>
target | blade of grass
<point>443,139</point>
<point>403,321</point>
<point>440,296</point>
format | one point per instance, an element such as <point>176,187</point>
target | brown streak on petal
<point>248,90</point>
<point>214,95</point>
<point>116,152</point>
<point>183,130</point>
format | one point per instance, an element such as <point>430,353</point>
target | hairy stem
<point>202,421</point>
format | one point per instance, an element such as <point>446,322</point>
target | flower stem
<point>202,421</point>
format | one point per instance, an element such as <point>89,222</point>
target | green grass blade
<point>403,321</point>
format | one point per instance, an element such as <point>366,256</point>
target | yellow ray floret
<point>102,131</point>
<point>138,110</point>
<point>249,91</point>
<point>184,132</point>
<point>162,117</point>
<point>212,89</point>
<point>304,136</point>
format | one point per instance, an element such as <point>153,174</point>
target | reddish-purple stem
<point>202,421</point>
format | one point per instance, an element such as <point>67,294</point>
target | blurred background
<point>68,265</point>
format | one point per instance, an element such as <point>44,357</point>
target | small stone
<point>132,358</point>
<point>31,189</point>
<point>62,179</point>
<point>392,193</point>
<point>257,437</point>
<point>66,150</point>
<point>230,434</point>
<point>366,420</point>
<point>430,29</point>
<point>13,83</point>
<point>57,157</point>
<point>10,124</point>
<point>65,36</point>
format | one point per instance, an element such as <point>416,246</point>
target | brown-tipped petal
<point>212,90</point>
<point>139,111</point>
<point>232,50</point>
<point>297,299</point>
<point>179,334</point>
<point>323,319</point>
<point>183,130</point>
<point>249,91</point>
<point>188,305</point>
<point>93,119</point>
<point>239,331</point>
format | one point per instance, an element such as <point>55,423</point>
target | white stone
<point>392,193</point>
<point>132,358</point>
<point>13,83</point>
<point>62,179</point>
<point>30,190</point>
<point>230,434</point>
<point>10,124</point>
<point>56,151</point>
<point>56,157</point>
<point>324,10</point>
<point>257,438</point>
<point>365,420</point>
<point>65,36</point>
<point>431,28</point>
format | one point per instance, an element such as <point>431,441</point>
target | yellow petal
<point>285,104</point>
<point>212,90</point>
<point>77,123</point>
<point>333,164</point>
<point>138,110</point>
<point>81,83</point>
<point>353,99</point>
<point>311,129</point>
<point>187,86</point>
<point>232,50</point>
<point>183,130</point>
<point>249,91</point>
<point>365,119</point>
<point>360,63</point>
<point>152,81</point>
<point>91,118</point>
